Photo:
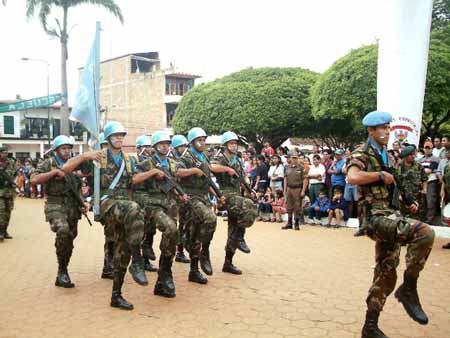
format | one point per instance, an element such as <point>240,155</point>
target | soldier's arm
<point>72,164</point>
<point>219,169</point>
<point>184,171</point>
<point>146,171</point>
<point>43,173</point>
<point>358,177</point>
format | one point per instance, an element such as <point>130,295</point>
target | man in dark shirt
<point>262,175</point>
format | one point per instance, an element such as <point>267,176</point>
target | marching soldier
<point>118,210</point>
<point>295,185</point>
<point>144,150</point>
<point>158,200</point>
<point>241,210</point>
<point>194,171</point>
<point>62,209</point>
<point>179,146</point>
<point>370,170</point>
<point>7,192</point>
<point>412,182</point>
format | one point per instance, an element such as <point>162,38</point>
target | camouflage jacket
<point>7,174</point>
<point>446,181</point>
<point>229,184</point>
<point>409,181</point>
<point>194,185</point>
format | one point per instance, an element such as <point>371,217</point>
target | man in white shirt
<point>316,177</point>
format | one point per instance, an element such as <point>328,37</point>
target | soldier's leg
<point>3,218</point>
<point>384,279</point>
<point>208,227</point>
<point>180,256</point>
<point>122,257</point>
<point>432,201</point>
<point>290,208</point>
<point>64,247</point>
<point>108,247</point>
<point>420,244</point>
<point>147,243</point>
<point>9,207</point>
<point>245,211</point>
<point>194,225</point>
<point>165,285</point>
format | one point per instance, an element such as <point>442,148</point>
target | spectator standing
<point>315,151</point>
<point>262,175</point>
<point>327,162</point>
<point>267,151</point>
<point>276,173</point>
<point>350,192</point>
<point>251,149</point>
<point>445,142</point>
<point>437,149</point>
<point>430,164</point>
<point>337,175</point>
<point>251,172</point>
<point>316,175</point>
<point>282,153</point>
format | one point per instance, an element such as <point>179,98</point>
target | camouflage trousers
<point>64,222</point>
<point>390,233</point>
<point>108,232</point>
<point>157,215</point>
<point>6,206</point>
<point>294,201</point>
<point>127,221</point>
<point>182,223</point>
<point>201,224</point>
<point>242,213</point>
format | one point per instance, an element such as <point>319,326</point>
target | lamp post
<point>48,92</point>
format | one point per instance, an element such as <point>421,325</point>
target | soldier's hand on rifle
<point>231,172</point>
<point>186,198</point>
<point>413,208</point>
<point>58,173</point>
<point>93,155</point>
<point>388,178</point>
<point>198,172</point>
<point>157,173</point>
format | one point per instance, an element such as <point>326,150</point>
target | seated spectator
<point>319,208</point>
<point>279,206</point>
<point>265,205</point>
<point>306,205</point>
<point>20,183</point>
<point>338,209</point>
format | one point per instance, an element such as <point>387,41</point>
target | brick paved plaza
<point>311,283</point>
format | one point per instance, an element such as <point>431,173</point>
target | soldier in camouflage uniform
<point>412,182</point>
<point>179,146</point>
<point>62,210</point>
<point>295,185</point>
<point>118,210</point>
<point>157,202</point>
<point>144,150</point>
<point>7,192</point>
<point>445,189</point>
<point>201,221</point>
<point>242,211</point>
<point>370,170</point>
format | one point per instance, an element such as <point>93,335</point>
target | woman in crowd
<point>276,173</point>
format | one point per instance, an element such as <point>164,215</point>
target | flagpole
<point>96,207</point>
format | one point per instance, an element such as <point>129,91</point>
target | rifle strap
<point>115,181</point>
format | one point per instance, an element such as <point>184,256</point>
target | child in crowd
<point>20,183</point>
<point>265,205</point>
<point>319,208</point>
<point>278,206</point>
<point>338,208</point>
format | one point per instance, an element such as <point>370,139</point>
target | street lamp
<point>48,91</point>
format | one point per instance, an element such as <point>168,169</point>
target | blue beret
<point>377,118</point>
<point>408,150</point>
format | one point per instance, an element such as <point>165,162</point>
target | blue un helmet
<point>62,140</point>
<point>228,136</point>
<point>113,127</point>
<point>178,141</point>
<point>196,133</point>
<point>160,136</point>
<point>143,141</point>
<point>102,139</point>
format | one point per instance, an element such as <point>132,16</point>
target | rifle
<point>170,182</point>
<point>242,179</point>
<point>211,183</point>
<point>72,188</point>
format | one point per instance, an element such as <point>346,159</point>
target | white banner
<point>402,65</point>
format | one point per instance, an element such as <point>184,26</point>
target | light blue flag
<point>86,107</point>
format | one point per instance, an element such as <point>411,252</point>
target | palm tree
<point>44,7</point>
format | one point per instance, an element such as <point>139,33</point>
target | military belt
<point>295,186</point>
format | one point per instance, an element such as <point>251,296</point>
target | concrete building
<point>26,133</point>
<point>135,91</point>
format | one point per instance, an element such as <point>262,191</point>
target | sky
<point>206,37</point>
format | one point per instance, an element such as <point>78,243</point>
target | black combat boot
<point>108,261</point>
<point>240,243</point>
<point>205,261</point>
<point>2,232</point>
<point>370,328</point>
<point>195,275</point>
<point>7,235</point>
<point>289,223</point>
<point>116,298</point>
<point>63,278</point>
<point>147,247</point>
<point>407,295</point>
<point>164,285</point>
<point>228,265</point>
<point>148,266</point>
<point>137,269</point>
<point>297,224</point>
<point>180,256</point>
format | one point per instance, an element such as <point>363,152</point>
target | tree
<point>265,104</point>
<point>60,31</point>
<point>347,90</point>
<point>441,14</point>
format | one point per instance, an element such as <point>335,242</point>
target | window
<point>8,125</point>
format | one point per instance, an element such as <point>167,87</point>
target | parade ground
<point>308,283</point>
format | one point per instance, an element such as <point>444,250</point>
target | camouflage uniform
<point>120,214</point>
<point>61,211</point>
<point>295,174</point>
<point>201,222</point>
<point>410,180</point>
<point>7,194</point>
<point>446,182</point>
<point>242,211</point>
<point>390,231</point>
